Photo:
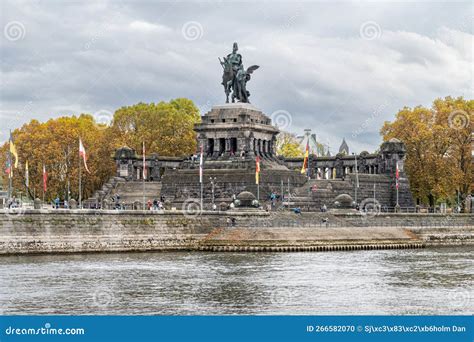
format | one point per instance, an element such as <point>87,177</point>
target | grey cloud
<point>87,57</point>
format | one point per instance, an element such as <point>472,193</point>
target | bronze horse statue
<point>236,81</point>
<point>227,78</point>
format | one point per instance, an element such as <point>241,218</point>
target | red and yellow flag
<point>304,168</point>
<point>257,169</point>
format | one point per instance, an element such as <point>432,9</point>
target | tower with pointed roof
<point>344,148</point>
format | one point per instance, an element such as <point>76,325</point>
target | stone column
<point>221,148</point>
<point>241,145</point>
<point>227,146</point>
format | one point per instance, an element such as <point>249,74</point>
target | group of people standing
<point>155,204</point>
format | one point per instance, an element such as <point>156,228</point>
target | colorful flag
<point>257,170</point>
<point>82,153</point>
<point>397,175</point>
<point>144,162</point>
<point>45,179</point>
<point>304,168</point>
<point>201,164</point>
<point>8,168</point>
<point>13,150</point>
<point>27,175</point>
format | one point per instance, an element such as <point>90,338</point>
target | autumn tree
<point>55,144</point>
<point>287,145</point>
<point>438,142</point>
<point>167,128</point>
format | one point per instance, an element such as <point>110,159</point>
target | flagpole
<point>258,190</point>
<point>201,175</point>
<point>357,178</point>
<point>202,199</point>
<point>281,191</point>
<point>257,176</point>
<point>289,195</point>
<point>10,174</point>
<point>396,179</point>
<point>374,191</point>
<point>26,180</point>
<point>67,174</point>
<point>397,196</point>
<point>143,175</point>
<point>10,177</point>
<point>80,182</point>
<point>43,183</point>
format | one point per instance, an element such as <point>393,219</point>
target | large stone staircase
<point>131,192</point>
<point>104,192</point>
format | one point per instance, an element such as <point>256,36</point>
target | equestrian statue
<point>235,76</point>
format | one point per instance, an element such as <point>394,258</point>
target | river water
<point>394,282</point>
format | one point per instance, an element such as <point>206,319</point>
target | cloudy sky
<point>339,68</point>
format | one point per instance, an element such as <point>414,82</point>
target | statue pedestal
<point>236,130</point>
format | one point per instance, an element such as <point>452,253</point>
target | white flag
<point>82,153</point>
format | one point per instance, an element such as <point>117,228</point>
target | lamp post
<point>212,179</point>
<point>289,194</point>
<point>374,192</point>
<point>357,177</point>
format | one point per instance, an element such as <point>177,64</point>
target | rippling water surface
<point>424,281</point>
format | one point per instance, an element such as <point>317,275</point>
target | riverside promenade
<point>78,231</point>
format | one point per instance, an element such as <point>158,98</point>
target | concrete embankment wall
<point>432,229</point>
<point>58,231</point>
<point>37,231</point>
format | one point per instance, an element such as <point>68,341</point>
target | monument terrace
<point>236,136</point>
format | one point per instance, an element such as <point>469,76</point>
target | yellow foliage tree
<point>438,142</point>
<point>288,146</point>
<point>166,128</point>
<point>55,144</point>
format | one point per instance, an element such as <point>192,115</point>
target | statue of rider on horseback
<point>235,77</point>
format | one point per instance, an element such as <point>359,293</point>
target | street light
<point>212,179</point>
<point>357,177</point>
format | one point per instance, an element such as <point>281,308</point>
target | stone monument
<point>232,137</point>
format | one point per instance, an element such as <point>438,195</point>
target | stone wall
<point>37,231</point>
<point>60,231</point>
